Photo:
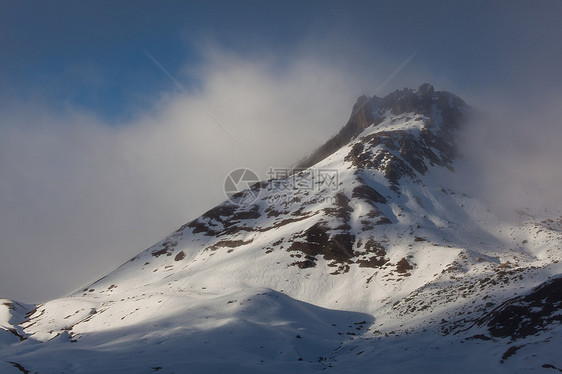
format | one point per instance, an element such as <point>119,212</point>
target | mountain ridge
<point>368,111</point>
<point>373,241</point>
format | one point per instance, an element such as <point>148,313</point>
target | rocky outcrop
<point>369,111</point>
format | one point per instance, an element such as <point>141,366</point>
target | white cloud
<point>514,148</point>
<point>79,196</point>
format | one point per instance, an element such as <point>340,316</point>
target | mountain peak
<point>426,89</point>
<point>441,107</point>
<point>372,253</point>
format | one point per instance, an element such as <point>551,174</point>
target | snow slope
<point>370,258</point>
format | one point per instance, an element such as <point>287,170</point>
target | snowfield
<point>391,267</point>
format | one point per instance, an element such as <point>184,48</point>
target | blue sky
<point>101,155</point>
<point>90,54</point>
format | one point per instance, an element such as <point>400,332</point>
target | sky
<point>114,116</point>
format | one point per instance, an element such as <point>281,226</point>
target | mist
<point>81,194</point>
<point>512,150</point>
<point>84,195</point>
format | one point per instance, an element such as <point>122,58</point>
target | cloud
<point>513,148</point>
<point>79,196</point>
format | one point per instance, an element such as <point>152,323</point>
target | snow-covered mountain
<point>366,257</point>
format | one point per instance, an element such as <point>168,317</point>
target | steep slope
<point>367,249</point>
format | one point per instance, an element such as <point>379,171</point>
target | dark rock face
<point>368,194</point>
<point>180,256</point>
<point>224,219</point>
<point>329,238</point>
<point>167,248</point>
<point>526,315</point>
<point>332,240</point>
<point>402,154</point>
<point>403,266</point>
<point>424,101</point>
<point>409,151</point>
<point>361,118</point>
<point>398,153</point>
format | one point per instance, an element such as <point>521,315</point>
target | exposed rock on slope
<point>394,257</point>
